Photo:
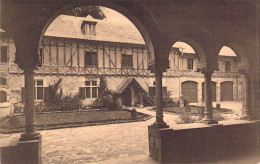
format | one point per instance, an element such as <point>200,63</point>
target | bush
<point>14,121</point>
<point>108,100</point>
<point>18,108</point>
<point>185,118</point>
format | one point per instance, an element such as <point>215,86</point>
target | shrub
<point>185,118</point>
<point>108,100</point>
<point>14,121</point>
<point>218,117</point>
<point>18,108</point>
<point>148,99</point>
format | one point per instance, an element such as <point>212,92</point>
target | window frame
<point>91,88</point>
<point>91,54</point>
<point>36,86</point>
<point>190,61</point>
<point>227,66</point>
<point>124,57</point>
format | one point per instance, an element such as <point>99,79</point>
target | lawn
<point>51,120</point>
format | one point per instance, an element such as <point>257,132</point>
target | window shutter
<point>81,93</point>
<point>100,91</point>
<point>47,93</point>
<point>23,94</point>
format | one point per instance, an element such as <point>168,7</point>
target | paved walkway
<point>114,143</point>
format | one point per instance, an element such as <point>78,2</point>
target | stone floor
<point>114,143</point>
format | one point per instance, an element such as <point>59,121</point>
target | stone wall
<point>194,143</point>
<point>70,84</point>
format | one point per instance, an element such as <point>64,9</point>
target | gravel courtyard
<point>102,144</point>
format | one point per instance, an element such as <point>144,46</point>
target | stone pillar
<point>159,101</point>
<point>29,112</point>
<point>208,97</point>
<point>27,58</point>
<point>246,100</point>
<point>199,94</point>
<point>218,92</point>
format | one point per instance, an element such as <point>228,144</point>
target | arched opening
<point>226,91</point>
<point>213,91</point>
<point>182,57</point>
<point>3,97</point>
<point>189,91</point>
<point>230,60</point>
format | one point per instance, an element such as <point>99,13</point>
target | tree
<point>83,11</point>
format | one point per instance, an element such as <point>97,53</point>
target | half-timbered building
<point>82,50</point>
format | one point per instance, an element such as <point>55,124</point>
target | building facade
<point>83,51</point>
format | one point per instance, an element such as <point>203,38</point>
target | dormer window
<point>89,26</point>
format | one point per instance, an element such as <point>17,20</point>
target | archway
<point>3,97</point>
<point>213,91</point>
<point>189,91</point>
<point>226,91</point>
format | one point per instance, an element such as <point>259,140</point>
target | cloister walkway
<point>113,143</point>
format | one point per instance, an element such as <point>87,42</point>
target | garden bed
<point>53,120</point>
<point>194,110</point>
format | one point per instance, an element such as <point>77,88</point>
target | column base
<point>209,121</point>
<point>29,136</point>
<point>160,125</point>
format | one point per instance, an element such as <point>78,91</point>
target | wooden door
<point>127,97</point>
<point>189,91</point>
<point>226,91</point>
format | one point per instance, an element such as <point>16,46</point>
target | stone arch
<point>119,8</point>
<point>240,53</point>
<point>196,46</point>
<point>189,90</point>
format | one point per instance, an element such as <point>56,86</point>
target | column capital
<point>243,70</point>
<point>206,70</point>
<point>27,61</point>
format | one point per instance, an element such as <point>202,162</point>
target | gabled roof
<point>126,83</point>
<point>70,27</point>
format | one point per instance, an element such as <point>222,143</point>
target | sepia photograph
<point>129,81</point>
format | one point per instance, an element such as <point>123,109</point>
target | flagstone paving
<point>102,143</point>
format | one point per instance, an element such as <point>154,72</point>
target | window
<point>3,55</point>
<point>227,66</point>
<point>127,61</point>
<point>90,59</point>
<point>89,28</point>
<point>190,64</point>
<point>38,89</point>
<point>2,81</point>
<point>91,89</point>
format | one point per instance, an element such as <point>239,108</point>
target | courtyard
<point>112,143</point>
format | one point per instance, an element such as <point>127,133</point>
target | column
<point>246,100</point>
<point>159,101</point>
<point>29,112</point>
<point>208,119</point>
<point>218,92</point>
<point>199,94</point>
<point>27,58</point>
